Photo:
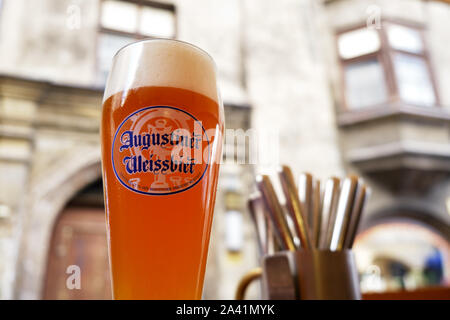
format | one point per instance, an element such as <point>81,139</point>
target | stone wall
<point>37,41</point>
<point>17,110</point>
<point>45,46</point>
<point>287,83</point>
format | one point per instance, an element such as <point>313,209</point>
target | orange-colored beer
<point>159,243</point>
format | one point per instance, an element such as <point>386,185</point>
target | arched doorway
<point>77,261</point>
<point>401,253</point>
<point>48,194</point>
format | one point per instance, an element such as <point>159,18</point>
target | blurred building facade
<point>347,86</point>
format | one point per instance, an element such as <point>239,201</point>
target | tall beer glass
<point>162,128</point>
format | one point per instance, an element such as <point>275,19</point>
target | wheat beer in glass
<point>162,128</point>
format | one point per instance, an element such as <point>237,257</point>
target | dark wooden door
<point>78,240</point>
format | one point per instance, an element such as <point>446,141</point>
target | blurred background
<point>351,86</point>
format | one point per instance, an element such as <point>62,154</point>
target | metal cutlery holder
<point>310,275</point>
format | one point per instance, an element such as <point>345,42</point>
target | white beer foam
<point>159,62</point>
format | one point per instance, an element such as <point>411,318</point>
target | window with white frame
<point>385,65</point>
<point>125,21</point>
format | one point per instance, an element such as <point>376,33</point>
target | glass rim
<point>185,43</point>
